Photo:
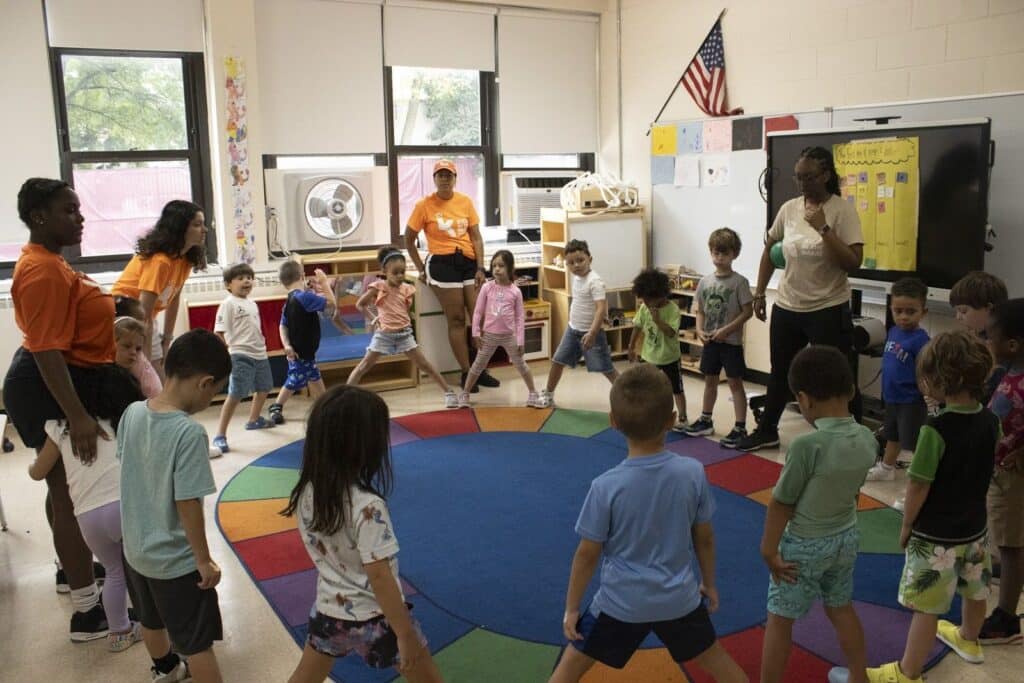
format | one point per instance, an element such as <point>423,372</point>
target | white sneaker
<point>545,399</point>
<point>533,400</point>
<point>881,472</point>
<point>464,399</point>
<point>180,673</point>
<point>899,504</point>
<point>451,399</point>
<point>119,642</point>
<point>680,426</point>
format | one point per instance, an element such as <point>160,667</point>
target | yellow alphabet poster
<point>881,178</point>
<point>663,141</point>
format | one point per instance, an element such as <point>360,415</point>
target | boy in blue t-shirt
<point>165,473</point>
<point>648,581</point>
<point>300,333</point>
<point>905,409</point>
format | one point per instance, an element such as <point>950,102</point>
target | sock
<point>84,599</point>
<point>705,415</point>
<point>885,467</point>
<point>167,663</point>
<point>741,424</point>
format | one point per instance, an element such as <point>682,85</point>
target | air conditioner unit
<point>324,209</point>
<point>525,193</point>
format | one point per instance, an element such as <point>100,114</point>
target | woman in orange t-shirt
<point>454,268</point>
<point>65,363</point>
<point>164,258</point>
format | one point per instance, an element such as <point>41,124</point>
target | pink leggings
<point>489,343</point>
<point>101,529</point>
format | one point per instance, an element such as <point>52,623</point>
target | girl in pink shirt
<point>499,319</point>
<point>130,335</point>
<point>391,299</point>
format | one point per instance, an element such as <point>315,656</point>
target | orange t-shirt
<point>447,222</point>
<point>160,274</point>
<point>59,309</point>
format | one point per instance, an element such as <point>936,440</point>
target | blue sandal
<point>261,423</point>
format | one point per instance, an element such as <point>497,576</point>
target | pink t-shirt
<point>149,381</point>
<point>499,310</point>
<point>393,305</point>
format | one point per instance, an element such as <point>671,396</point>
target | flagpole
<point>679,81</point>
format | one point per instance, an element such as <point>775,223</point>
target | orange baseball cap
<point>445,165</point>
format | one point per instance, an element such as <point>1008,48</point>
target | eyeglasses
<point>805,177</point>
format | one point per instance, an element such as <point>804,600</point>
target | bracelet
<point>759,296</point>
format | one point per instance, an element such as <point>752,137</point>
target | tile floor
<point>34,619</point>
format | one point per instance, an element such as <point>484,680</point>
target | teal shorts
<point>824,571</point>
<point>933,573</point>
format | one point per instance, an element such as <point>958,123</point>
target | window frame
<point>585,162</point>
<point>197,154</point>
<point>488,149</point>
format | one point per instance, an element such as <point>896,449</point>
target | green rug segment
<point>485,656</point>
<point>582,423</point>
<point>259,483</point>
<point>880,531</point>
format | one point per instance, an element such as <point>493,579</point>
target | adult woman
<point>68,351</point>
<point>822,242</point>
<point>454,268</point>
<point>164,258</point>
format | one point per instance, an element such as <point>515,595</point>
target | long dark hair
<point>509,261</point>
<point>827,163</point>
<point>347,444</point>
<point>168,235</point>
<point>109,393</point>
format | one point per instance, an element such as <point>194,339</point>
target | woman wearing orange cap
<point>454,268</point>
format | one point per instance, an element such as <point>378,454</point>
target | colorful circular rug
<point>484,506</point>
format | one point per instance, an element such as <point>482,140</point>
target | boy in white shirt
<point>585,335</point>
<point>238,326</point>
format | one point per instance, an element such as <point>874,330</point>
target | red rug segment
<point>744,475</point>
<point>745,648</point>
<point>440,423</point>
<point>274,555</point>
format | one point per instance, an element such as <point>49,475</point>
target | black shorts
<point>903,422</point>
<point>718,355</point>
<point>190,614</point>
<point>451,270</point>
<point>671,371</point>
<point>613,642</point>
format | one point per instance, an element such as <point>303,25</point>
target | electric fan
<point>334,208</point>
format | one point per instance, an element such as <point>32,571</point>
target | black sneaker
<point>702,426</point>
<point>1001,628</point>
<point>733,438</point>
<point>275,412</point>
<point>476,387</point>
<point>91,625</point>
<point>759,438</point>
<point>488,380</point>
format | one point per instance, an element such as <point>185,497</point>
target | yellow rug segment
<point>246,519</point>
<point>649,666</point>
<point>511,419</point>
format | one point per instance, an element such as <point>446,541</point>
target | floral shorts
<point>373,640</point>
<point>933,573</point>
<point>824,572</point>
<point>301,373</point>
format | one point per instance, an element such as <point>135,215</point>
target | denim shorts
<point>390,343</point>
<point>301,373</point>
<point>373,640</point>
<point>570,349</point>
<point>824,570</point>
<point>248,375</point>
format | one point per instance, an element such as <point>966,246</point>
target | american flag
<point>704,79</point>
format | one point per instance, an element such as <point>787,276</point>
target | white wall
<point>791,55</point>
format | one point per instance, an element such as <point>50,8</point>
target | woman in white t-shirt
<point>95,491</point>
<point>822,242</point>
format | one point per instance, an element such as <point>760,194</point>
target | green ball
<point>778,258</point>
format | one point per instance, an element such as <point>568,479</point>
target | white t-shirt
<point>586,291</point>
<point>90,486</point>
<point>342,587</point>
<point>239,320</point>
<point>812,281</point>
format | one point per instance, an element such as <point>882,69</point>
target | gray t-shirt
<point>165,457</point>
<point>721,299</point>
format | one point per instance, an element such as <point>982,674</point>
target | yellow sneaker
<point>890,673</point>
<point>969,650</point>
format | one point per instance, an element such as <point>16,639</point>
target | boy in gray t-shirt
<point>723,305</point>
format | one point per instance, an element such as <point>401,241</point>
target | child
<point>724,305</point>
<point>659,589</point>
<point>973,297</point>
<point>143,369</point>
<point>238,326</point>
<point>392,297</point>
<point>344,521</point>
<point>165,472</point>
<point>905,409</point>
<point>300,333</point>
<point>95,494</point>
<point>657,334</point>
<point>1006,494</point>
<point>584,335</point>
<point>499,320</point>
<point>810,531</point>
<point>130,335</point>
<point>944,524</point>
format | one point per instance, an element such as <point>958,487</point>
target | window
<point>533,161</point>
<point>341,162</point>
<point>132,135</point>
<point>440,114</point>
